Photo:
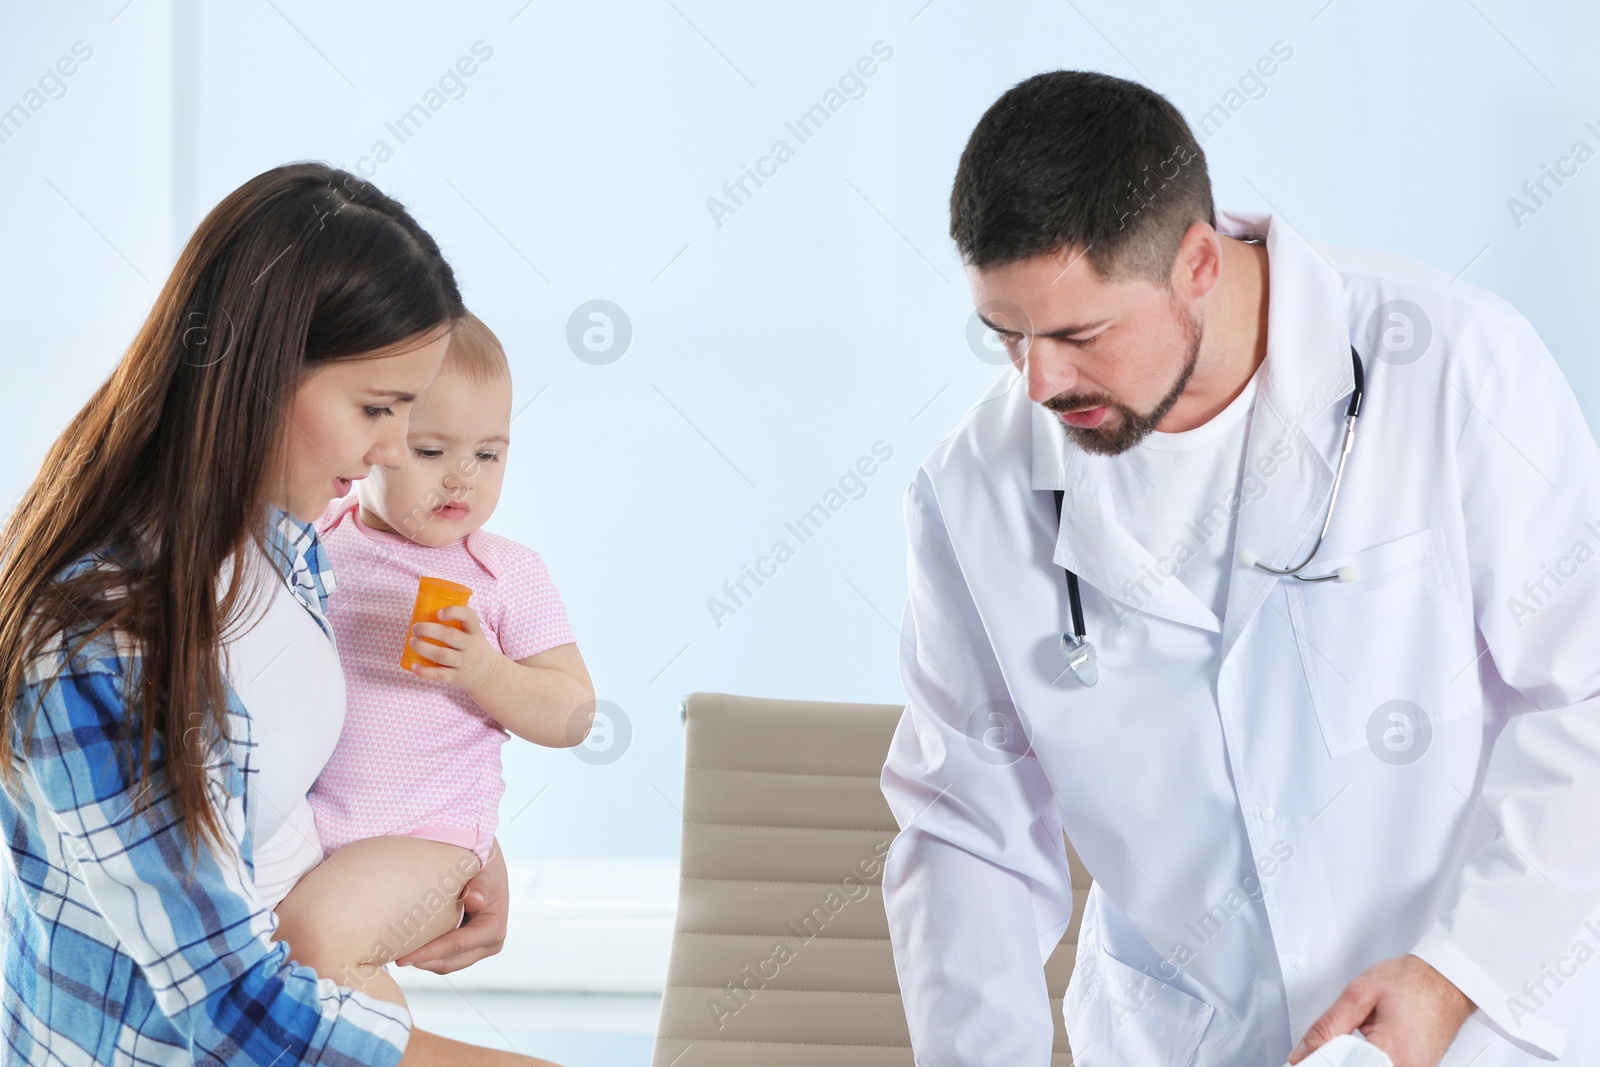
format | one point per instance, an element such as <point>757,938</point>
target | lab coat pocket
<point>1387,655</point>
<point>1117,1015</point>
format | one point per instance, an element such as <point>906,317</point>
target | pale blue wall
<point>772,351</point>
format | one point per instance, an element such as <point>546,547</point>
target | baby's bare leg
<point>371,901</point>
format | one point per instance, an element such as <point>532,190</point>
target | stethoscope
<point>1075,646</point>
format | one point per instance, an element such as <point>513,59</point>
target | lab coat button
<point>1267,814</point>
<point>1302,965</point>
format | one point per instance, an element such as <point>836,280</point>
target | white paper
<point>1347,1050</point>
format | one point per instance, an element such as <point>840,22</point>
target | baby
<point>407,806</point>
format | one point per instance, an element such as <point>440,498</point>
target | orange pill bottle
<point>433,594</point>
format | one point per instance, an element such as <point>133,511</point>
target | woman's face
<point>349,416</point>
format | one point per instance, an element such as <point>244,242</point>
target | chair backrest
<point>780,952</point>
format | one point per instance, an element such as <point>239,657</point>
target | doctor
<point>1309,806</point>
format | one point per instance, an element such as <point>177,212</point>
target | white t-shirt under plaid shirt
<point>419,757</point>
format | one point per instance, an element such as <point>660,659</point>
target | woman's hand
<point>467,658</point>
<point>487,899</point>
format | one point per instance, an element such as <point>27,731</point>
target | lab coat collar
<point>348,510</point>
<point>1307,368</point>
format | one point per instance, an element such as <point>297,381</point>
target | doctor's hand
<point>1402,1006</point>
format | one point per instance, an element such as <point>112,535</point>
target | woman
<point>278,362</point>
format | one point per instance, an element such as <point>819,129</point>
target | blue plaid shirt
<point>118,949</point>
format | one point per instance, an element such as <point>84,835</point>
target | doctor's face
<point>1108,358</point>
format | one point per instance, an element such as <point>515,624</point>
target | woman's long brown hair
<point>174,459</point>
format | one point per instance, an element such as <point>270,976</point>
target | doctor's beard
<point>1124,427</point>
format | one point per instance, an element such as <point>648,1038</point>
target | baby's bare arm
<point>371,901</point>
<point>546,698</point>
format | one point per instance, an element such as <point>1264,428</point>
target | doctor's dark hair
<point>168,469</point>
<point>1078,160</point>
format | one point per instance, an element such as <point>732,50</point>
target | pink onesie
<point>419,757</point>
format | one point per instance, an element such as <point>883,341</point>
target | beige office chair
<point>780,953</point>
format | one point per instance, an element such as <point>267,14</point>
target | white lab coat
<point>1252,849</point>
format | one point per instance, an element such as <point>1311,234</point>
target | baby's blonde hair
<point>475,352</point>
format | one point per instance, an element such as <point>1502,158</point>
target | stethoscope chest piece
<point>1075,646</point>
<point>1079,654</point>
